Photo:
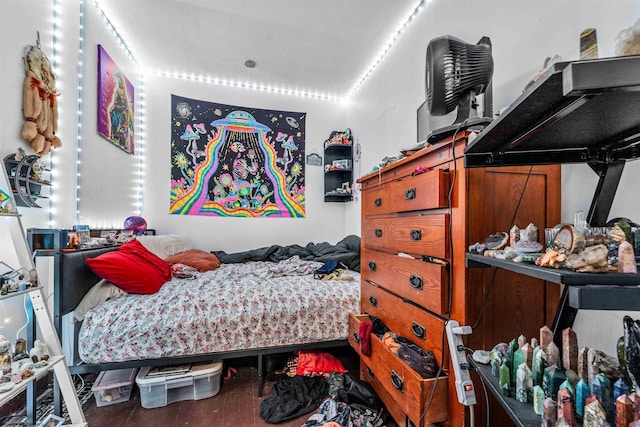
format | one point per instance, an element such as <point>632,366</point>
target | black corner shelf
<point>334,179</point>
<point>338,197</point>
<point>26,190</point>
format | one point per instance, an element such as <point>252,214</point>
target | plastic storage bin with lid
<point>200,382</point>
<point>113,386</point>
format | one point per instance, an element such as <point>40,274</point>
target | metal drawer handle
<point>370,372</point>
<point>356,337</point>
<point>415,282</point>
<point>372,266</point>
<point>416,234</point>
<point>410,194</point>
<point>373,301</point>
<point>397,381</point>
<point>418,330</point>
<point>378,201</point>
<point>378,232</point>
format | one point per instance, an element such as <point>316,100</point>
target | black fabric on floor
<point>293,397</point>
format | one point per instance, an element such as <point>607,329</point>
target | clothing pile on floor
<point>315,380</point>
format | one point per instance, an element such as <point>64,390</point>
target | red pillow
<point>132,268</point>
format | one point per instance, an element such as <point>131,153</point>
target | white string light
<point>246,85</point>
<point>140,111</point>
<point>387,48</point>
<point>55,64</point>
<point>83,10</point>
<point>191,77</point>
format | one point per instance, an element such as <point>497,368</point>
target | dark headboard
<point>75,279</point>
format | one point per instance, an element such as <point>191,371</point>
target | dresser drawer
<point>424,283</point>
<point>403,318</point>
<point>425,191</point>
<point>367,375</point>
<point>420,234</point>
<point>401,383</point>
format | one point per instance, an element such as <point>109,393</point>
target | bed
<point>251,308</point>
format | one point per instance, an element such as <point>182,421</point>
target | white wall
<point>108,175</point>
<point>523,33</point>
<point>19,28</point>
<point>19,23</point>
<point>324,221</point>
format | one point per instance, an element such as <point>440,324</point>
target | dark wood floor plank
<point>236,405</point>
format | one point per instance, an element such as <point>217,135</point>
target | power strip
<point>464,385</point>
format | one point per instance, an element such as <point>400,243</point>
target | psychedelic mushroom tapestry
<point>236,161</point>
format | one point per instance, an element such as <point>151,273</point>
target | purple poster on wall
<point>115,103</point>
<point>236,161</point>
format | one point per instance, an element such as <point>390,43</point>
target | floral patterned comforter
<point>235,307</point>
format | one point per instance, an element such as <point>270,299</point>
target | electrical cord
<point>451,263</point>
<point>435,383</point>
<point>493,274</point>
<point>26,312</point>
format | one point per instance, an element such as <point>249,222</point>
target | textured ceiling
<point>322,46</point>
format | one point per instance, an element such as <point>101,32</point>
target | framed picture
<point>115,103</point>
<point>314,159</point>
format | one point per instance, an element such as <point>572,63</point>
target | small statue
<point>626,258</point>
<point>20,350</point>
<point>628,40</point>
<point>20,154</point>
<point>39,351</point>
<point>5,355</point>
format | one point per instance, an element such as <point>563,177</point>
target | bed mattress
<point>235,307</point>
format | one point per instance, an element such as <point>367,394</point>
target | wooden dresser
<point>430,207</point>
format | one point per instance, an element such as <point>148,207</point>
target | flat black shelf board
<point>605,297</point>
<point>578,112</point>
<point>521,414</point>
<point>561,275</point>
<point>331,146</point>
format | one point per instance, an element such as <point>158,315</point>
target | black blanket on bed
<point>346,251</point>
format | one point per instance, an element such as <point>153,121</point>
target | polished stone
<point>569,349</point>
<point>582,392</point>
<point>546,336</point>
<point>539,365</point>
<point>505,379</point>
<point>566,407</point>
<point>583,364</point>
<point>624,411</point>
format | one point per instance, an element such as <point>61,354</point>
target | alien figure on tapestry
<point>236,161</point>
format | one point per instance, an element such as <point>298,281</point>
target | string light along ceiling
<point>378,58</point>
<point>383,52</point>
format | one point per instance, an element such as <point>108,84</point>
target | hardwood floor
<point>237,404</point>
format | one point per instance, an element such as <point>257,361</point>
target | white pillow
<point>165,245</point>
<point>99,293</point>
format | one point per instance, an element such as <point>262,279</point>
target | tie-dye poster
<point>236,161</point>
